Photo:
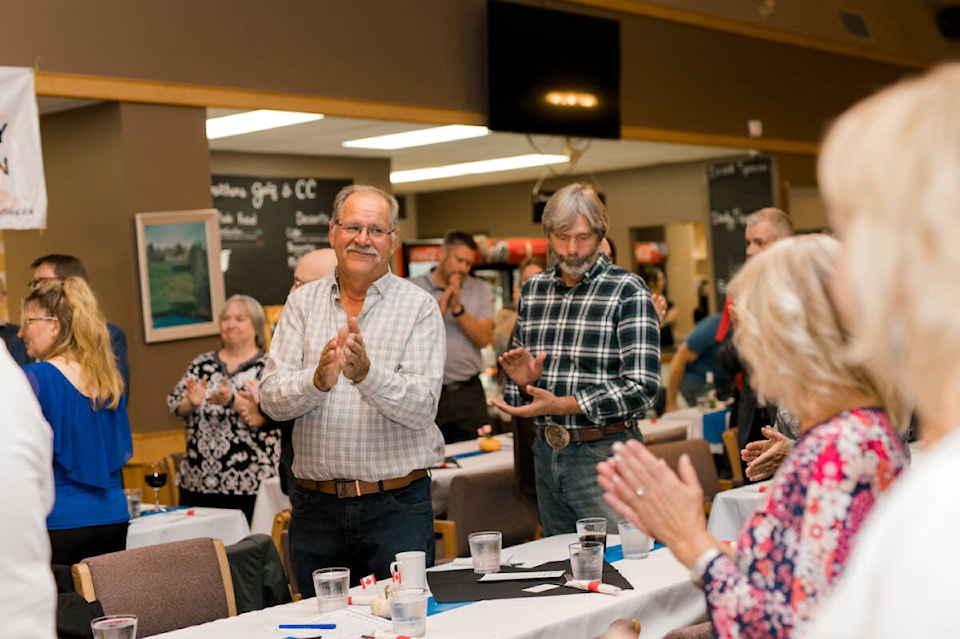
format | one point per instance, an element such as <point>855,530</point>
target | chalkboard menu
<point>266,224</point>
<point>737,189</point>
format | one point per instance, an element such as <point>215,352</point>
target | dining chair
<point>702,459</point>
<point>168,586</point>
<point>487,501</point>
<point>445,532</point>
<point>173,465</point>
<point>281,539</point>
<point>732,447</point>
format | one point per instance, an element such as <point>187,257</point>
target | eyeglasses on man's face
<point>373,232</point>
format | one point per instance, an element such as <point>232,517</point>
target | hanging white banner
<point>23,191</point>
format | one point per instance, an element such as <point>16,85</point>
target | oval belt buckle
<point>557,436</point>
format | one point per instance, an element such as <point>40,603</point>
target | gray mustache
<point>366,250</point>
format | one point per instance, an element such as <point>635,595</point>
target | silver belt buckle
<point>557,437</point>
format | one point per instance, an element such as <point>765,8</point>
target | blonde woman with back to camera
<point>797,540</point>
<point>890,175</point>
<point>80,392</point>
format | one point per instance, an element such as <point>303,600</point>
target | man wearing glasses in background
<point>357,361</point>
<point>60,267</point>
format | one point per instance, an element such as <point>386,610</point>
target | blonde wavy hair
<point>790,334</point>
<point>83,336</point>
<point>890,174</point>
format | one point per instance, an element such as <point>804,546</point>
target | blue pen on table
<point>307,626</point>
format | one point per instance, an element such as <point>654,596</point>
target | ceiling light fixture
<point>473,168</point>
<point>421,137</point>
<point>251,121</point>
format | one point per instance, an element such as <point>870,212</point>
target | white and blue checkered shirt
<point>602,337</point>
<point>382,427</point>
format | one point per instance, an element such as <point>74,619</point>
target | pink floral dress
<point>794,545</point>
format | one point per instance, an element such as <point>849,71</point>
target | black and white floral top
<point>224,456</point>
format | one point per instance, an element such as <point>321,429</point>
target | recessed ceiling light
<point>422,137</point>
<point>473,168</point>
<point>251,121</point>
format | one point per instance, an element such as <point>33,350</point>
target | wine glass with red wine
<point>155,475</point>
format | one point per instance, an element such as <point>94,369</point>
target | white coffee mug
<point>412,566</point>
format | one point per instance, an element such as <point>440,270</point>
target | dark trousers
<point>525,479</point>
<point>362,533</point>
<point>71,545</point>
<point>462,410</point>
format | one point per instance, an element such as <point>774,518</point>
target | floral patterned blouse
<point>224,456</point>
<point>794,545</point>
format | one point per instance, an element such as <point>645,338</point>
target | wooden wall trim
<point>68,85</point>
<point>771,145</point>
<point>716,23</point>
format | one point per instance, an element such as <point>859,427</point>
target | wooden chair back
<point>732,447</point>
<point>281,539</point>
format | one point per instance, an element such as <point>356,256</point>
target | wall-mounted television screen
<point>552,72</point>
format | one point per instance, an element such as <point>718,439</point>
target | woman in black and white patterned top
<point>231,445</point>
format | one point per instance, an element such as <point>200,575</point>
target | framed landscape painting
<point>181,284</point>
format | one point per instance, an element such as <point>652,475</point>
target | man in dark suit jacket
<point>9,333</point>
<point>60,267</point>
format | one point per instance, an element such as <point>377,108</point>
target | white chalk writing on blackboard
<point>729,220</point>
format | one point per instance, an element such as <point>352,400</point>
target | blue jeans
<point>362,533</point>
<point>567,488</point>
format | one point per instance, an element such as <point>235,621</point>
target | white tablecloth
<point>441,477</point>
<point>732,507</point>
<point>693,417</point>
<point>665,425</point>
<point>271,500</point>
<point>662,599</point>
<point>227,524</point>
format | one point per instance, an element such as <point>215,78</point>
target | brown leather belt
<point>558,437</point>
<point>344,488</point>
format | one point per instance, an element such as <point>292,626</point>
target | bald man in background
<point>312,266</point>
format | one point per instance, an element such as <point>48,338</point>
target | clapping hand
<point>356,364</point>
<point>196,391</point>
<point>248,404</point>
<point>345,353</point>
<point>764,457</point>
<point>522,367</point>
<point>222,395</point>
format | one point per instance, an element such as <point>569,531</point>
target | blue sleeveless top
<point>90,448</point>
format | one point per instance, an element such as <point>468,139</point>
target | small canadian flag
<point>369,580</point>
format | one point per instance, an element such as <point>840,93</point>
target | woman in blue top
<point>81,394</point>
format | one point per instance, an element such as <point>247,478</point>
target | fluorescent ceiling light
<point>250,121</point>
<point>423,137</point>
<point>473,168</point>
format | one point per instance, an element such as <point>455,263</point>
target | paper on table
<point>350,625</point>
<point>514,576</point>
